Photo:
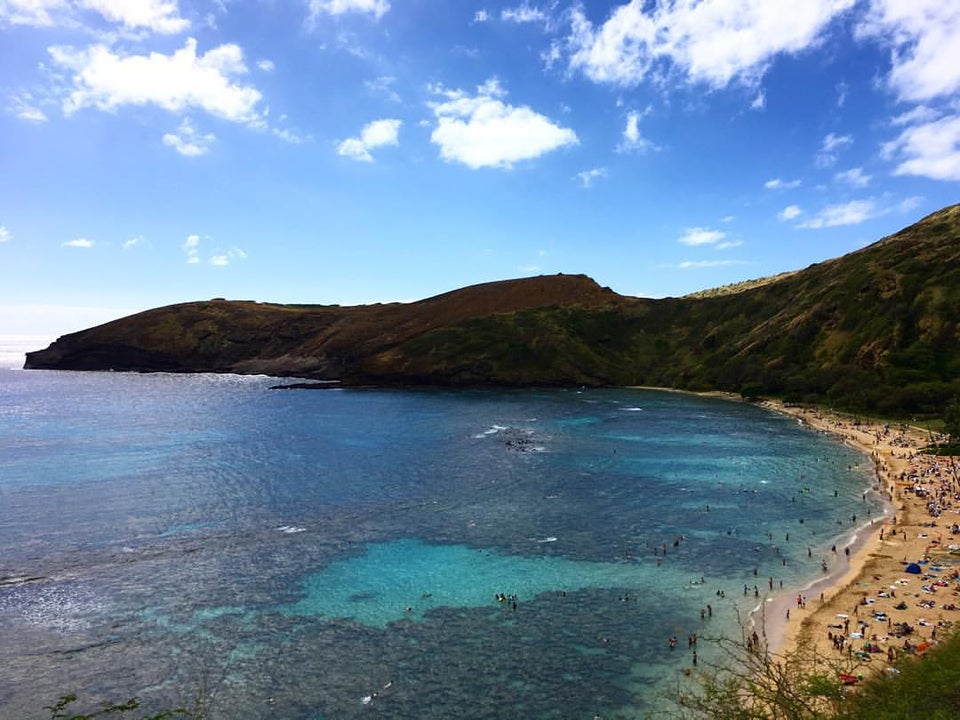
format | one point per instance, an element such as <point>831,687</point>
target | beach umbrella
<point>914,569</point>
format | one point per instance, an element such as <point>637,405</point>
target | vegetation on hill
<point>877,330</point>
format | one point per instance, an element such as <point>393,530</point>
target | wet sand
<point>867,599</point>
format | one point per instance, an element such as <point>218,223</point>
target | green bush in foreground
<point>747,684</point>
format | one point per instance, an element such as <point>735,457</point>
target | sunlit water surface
<point>391,554</point>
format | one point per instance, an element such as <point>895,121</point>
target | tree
<point>951,420</point>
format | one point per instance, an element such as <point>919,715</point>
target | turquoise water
<point>342,554</point>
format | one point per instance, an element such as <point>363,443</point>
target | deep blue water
<point>338,554</point>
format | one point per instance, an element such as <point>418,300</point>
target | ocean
<point>318,555</point>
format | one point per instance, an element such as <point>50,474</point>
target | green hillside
<point>876,330</point>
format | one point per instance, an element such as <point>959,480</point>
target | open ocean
<point>309,555</point>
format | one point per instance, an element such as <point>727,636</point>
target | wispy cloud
<point>5,235</point>
<point>701,236</point>
<point>928,149</point>
<point>376,134</point>
<point>133,242</point>
<point>830,149</point>
<point>225,258</point>
<point>377,8</point>
<point>587,177</point>
<point>850,213</point>
<point>191,246</point>
<point>791,212</point>
<point>188,141</point>
<point>632,139</point>
<point>855,177</point>
<point>159,16</point>
<point>778,184</point>
<point>78,243</point>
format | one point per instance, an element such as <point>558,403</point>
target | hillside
<point>878,329</point>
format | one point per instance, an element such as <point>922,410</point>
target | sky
<point>357,151</point>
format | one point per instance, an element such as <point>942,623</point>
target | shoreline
<point>860,600</point>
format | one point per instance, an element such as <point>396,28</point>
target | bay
<point>392,553</point>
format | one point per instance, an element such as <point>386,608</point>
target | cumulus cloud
<point>5,235</point>
<point>377,8</point>
<point>481,16</point>
<point>930,149</point>
<point>188,141</point>
<point>696,264</point>
<point>701,236</point>
<point>924,36</point>
<point>483,131</point>
<point>160,16</point>
<point>850,213</point>
<point>378,133</point>
<point>714,42</point>
<point>133,242</point>
<point>106,80</point>
<point>266,65</point>
<point>587,177</point>
<point>778,184</point>
<point>78,243</point>
<point>791,212</point>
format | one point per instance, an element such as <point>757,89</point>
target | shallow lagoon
<point>192,530</point>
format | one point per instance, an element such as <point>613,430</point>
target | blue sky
<point>353,151</point>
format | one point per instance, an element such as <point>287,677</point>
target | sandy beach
<point>873,605</point>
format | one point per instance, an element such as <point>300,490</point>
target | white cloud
<point>188,141</point>
<point>759,102</point>
<point>383,86</point>
<point>36,13</point>
<point>854,177</point>
<point>483,131</point>
<point>377,8</point>
<point>191,247</point>
<point>481,16</point>
<point>778,184</point>
<point>697,264</point>
<point>791,212</point>
<point>24,107</point>
<point>633,140</point>
<point>830,149</point>
<point>160,16</point>
<point>915,116</point>
<point>524,13</point>
<point>133,242</point>
<point>709,41</point>
<point>587,177</point>
<point>378,133</point>
<point>5,235</point>
<point>924,36</point>
<point>289,136</point>
<point>850,213</point>
<point>224,259</point>
<point>701,236</point>
<point>78,243</point>
<point>929,150</point>
<point>183,80</point>
<point>266,65</point>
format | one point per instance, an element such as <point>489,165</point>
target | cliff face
<point>875,329</point>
